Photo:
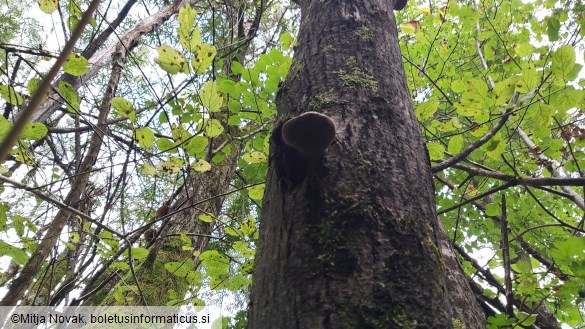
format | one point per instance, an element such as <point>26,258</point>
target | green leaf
<point>170,60</point>
<point>17,254</point>
<point>425,110</point>
<point>214,128</point>
<point>201,166</point>
<point>493,209</point>
<point>138,253</point>
<point>232,231</point>
<point>237,68</point>
<point>436,151</point>
<point>122,266</point>
<point>256,192</point>
<point>569,250</point>
<point>34,131</point>
<point>286,40</point>
<point>240,246</point>
<point>180,269</point>
<point>124,108</point>
<point>3,217</point>
<point>207,218</point>
<point>455,144</point>
<point>70,95</point>
<point>215,262</point>
<point>48,6</point>
<point>552,28</point>
<point>526,319</point>
<point>18,224</point>
<point>205,56</point>
<point>210,96</point>
<point>237,282</point>
<point>10,95</point>
<point>76,65</point>
<point>194,278</point>
<point>145,137</point>
<point>186,240</point>
<point>563,61</point>
<point>196,145</point>
<point>4,127</point>
<point>32,85</point>
<point>166,145</point>
<point>458,86</point>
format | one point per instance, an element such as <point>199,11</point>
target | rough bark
<point>464,305</point>
<point>347,241</point>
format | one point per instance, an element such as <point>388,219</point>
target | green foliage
<point>466,67</point>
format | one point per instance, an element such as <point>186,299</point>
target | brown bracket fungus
<point>310,134</point>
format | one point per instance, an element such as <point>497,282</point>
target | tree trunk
<point>347,239</point>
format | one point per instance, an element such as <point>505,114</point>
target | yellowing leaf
<point>210,96</point>
<point>201,166</point>
<point>214,128</point>
<point>208,218</point>
<point>563,61</point>
<point>458,86</point>
<point>503,91</point>
<point>410,27</point>
<point>468,109</point>
<point>74,237</point>
<point>436,151</point>
<point>204,58</point>
<point>124,108</point>
<point>170,60</point>
<point>48,6</point>
<point>186,17</point>
<point>455,144</point>
<point>76,65</point>
<point>476,89</point>
<point>171,166</point>
<point>256,192</point>
<point>189,34</point>
<point>286,40</point>
<point>425,110</point>
<point>147,169</point>
<point>255,157</point>
<point>145,137</point>
<point>527,81</point>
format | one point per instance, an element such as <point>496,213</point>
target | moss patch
<point>364,32</point>
<point>355,77</point>
<point>457,324</point>
<point>326,99</point>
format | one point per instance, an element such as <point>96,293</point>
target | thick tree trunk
<point>347,241</point>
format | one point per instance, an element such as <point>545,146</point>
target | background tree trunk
<point>348,241</point>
